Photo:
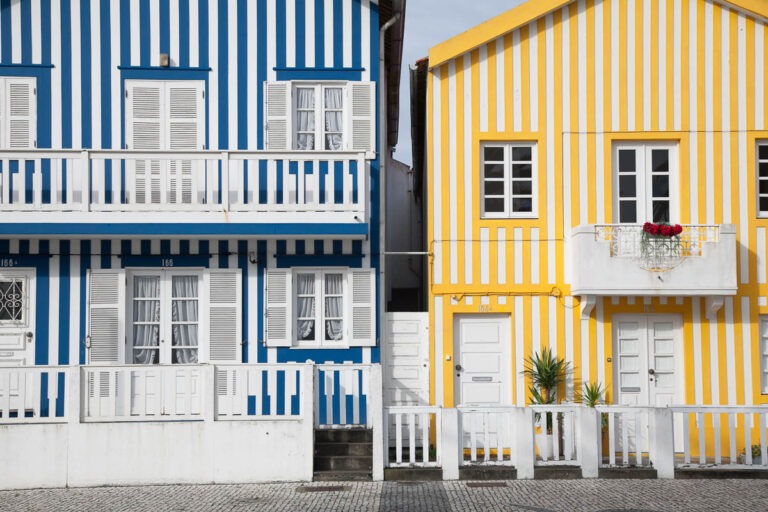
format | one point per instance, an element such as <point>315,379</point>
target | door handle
<point>459,368</point>
<point>29,336</point>
<point>651,372</point>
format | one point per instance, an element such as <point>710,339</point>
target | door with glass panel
<point>319,121</point>
<point>320,308</point>
<point>164,312</point>
<point>645,183</point>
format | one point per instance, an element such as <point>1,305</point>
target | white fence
<point>342,395</point>
<point>624,429</point>
<point>556,434</point>
<point>33,394</point>
<point>254,391</point>
<point>486,435</point>
<point>123,180</point>
<point>412,434</point>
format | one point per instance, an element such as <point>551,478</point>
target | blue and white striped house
<point>190,184</point>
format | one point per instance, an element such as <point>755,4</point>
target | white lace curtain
<point>333,119</point>
<point>184,310</point>
<point>306,306</point>
<point>146,319</point>
<point>305,129</point>
<point>334,304</point>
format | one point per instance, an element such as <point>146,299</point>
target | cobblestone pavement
<point>536,496</point>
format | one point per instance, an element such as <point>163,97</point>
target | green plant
<point>546,372</point>
<point>756,451</point>
<point>592,394</point>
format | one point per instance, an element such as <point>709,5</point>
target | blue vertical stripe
<point>223,76</point>
<point>261,72</point>
<point>301,28</point>
<point>144,33</point>
<point>165,27</point>
<point>338,34</point>
<point>85,265</point>
<point>66,74</point>
<point>223,254</point>
<point>146,247</point>
<point>357,36</point>
<point>320,35</point>
<point>184,33</point>
<point>106,254</point>
<point>64,294</point>
<point>242,263</point>
<point>45,27</point>
<point>44,85</point>
<point>106,92</point>
<point>125,32</point>
<point>42,297</point>
<point>242,79</point>
<point>165,247</point>
<point>5,31</point>
<point>202,29</point>
<point>280,31</point>
<point>261,254</point>
<point>85,72</point>
<point>26,32</point>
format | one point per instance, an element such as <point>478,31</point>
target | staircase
<point>343,454</point>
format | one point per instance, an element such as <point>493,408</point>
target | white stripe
<point>693,106</point>
<point>469,149</point>
<point>519,352</point>
<point>309,247</point>
<point>500,92</point>
<point>599,114</point>
<point>582,88</point>
<point>135,32</point>
<point>725,193</point>
<point>533,61</point>
<point>290,247</point>
<point>742,157</point>
<point>761,260</point>
<point>175,246</point>
<point>173,50</point>
<point>365,44</point>
<point>501,255</point>
<point>74,301</point>
<point>483,57</point>
<point>585,344</point>
<point>714,358</point>
<point>535,325</point>
<point>54,285</point>
<point>37,46</point>
<point>328,42</point>
<point>662,66</point>
<point>746,344</point>
<point>16,32</point>
<point>709,118</point>
<point>630,99</point>
<point>213,78</point>
<point>95,98</point>
<point>550,144</point>
<point>485,260</point>
<point>154,246</point>
<point>552,328</point>
<point>517,82</point>
<point>647,106</point>
<point>309,31</point>
<point>233,97</point>
<point>253,83</point>
<point>565,100</point>
<point>439,400</point>
<point>232,258</point>
<point>271,40</point>
<point>452,176</point>
<point>327,247</point>
<point>517,243</point>
<point>194,28</point>
<point>346,246</point>
<point>13,246</point>
<point>600,355</point>
<point>535,249</point>
<point>253,302</point>
<point>730,350</point>
<point>290,33</point>
<point>76,76</point>
<point>759,76</point>
<point>347,41</point>
<point>437,172</point>
<point>615,38</point>
<point>677,55</point>
<point>154,33</point>
<point>569,348</point>
<point>117,96</point>
<point>56,91</point>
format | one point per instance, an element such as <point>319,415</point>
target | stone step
<point>556,472</point>
<point>351,435</point>
<point>341,463</point>
<point>487,473</point>
<point>413,474</point>
<point>342,476</point>
<point>344,449</point>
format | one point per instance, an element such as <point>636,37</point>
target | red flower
<point>678,229</point>
<point>666,230</point>
<point>647,227</point>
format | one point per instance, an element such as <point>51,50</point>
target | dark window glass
<point>660,160</point>
<point>627,211</point>
<point>661,211</point>
<point>660,186</point>
<point>494,205</point>
<point>494,170</point>
<point>521,154</point>
<point>522,187</point>
<point>494,188</point>
<point>627,186</point>
<point>764,204</point>
<point>764,186</point>
<point>763,151</point>
<point>626,160</point>
<point>764,169</point>
<point>522,204</point>
<point>522,171</point>
<point>494,154</point>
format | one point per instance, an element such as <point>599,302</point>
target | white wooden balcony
<point>618,260</point>
<point>183,193</point>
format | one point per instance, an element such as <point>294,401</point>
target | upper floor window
<point>18,113</point>
<point>762,179</point>
<point>645,182</point>
<point>320,116</point>
<point>508,180</point>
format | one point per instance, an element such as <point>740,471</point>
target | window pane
<point>334,284</point>
<point>660,211</point>
<point>306,330</point>
<point>627,211</point>
<point>333,142</point>
<point>305,306</point>
<point>333,98</point>
<point>11,299</point>
<point>627,160</point>
<point>146,286</point>
<point>146,356</point>
<point>146,310</point>
<point>521,153</point>
<point>627,186</point>
<point>764,186</point>
<point>494,170</point>
<point>660,186</point>
<point>522,205</point>
<point>764,204</point>
<point>305,97</point>
<point>524,187</point>
<point>660,160</point>
<point>494,154</point>
<point>494,205</point>
<point>522,171</point>
<point>494,188</point>
<point>333,330</point>
<point>764,169</point>
<point>763,152</point>
<point>305,141</point>
<point>184,356</point>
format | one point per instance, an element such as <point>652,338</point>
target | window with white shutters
<point>320,116</point>
<point>18,113</point>
<point>320,307</point>
<point>645,182</point>
<point>106,323</point>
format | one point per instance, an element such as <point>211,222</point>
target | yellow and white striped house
<point>554,132</point>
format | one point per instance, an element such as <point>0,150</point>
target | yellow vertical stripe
<point>589,194</point>
<point>461,170</point>
<point>508,84</point>
<point>525,71</point>
<point>654,71</point>
<point>492,92</point>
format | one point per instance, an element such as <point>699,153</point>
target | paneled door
<point>17,317</point>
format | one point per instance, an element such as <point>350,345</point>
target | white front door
<point>648,366</point>
<point>481,360</point>
<point>406,357</point>
<point>17,317</point>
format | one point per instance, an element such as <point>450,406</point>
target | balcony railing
<point>194,181</point>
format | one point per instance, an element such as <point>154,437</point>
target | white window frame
<point>319,316</point>
<point>5,111</point>
<point>644,180</point>
<point>165,350</point>
<point>320,110</point>
<point>25,278</point>
<point>761,213</point>
<point>509,196</point>
<point>763,353</point>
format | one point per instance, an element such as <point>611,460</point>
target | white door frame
<point>506,365</point>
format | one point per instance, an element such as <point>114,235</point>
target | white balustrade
<point>342,395</point>
<point>626,431</point>
<point>487,435</point>
<point>408,430</point>
<point>260,391</point>
<point>723,435</point>
<point>556,434</point>
<point>33,394</point>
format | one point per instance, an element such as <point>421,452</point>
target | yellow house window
<point>508,180</point>
<point>645,182</point>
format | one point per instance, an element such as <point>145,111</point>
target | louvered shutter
<point>278,108</point>
<point>185,112</point>
<point>279,293</point>
<point>144,130</point>
<point>362,307</point>
<point>225,315</point>
<point>106,316</point>
<point>21,113</point>
<point>362,116</point>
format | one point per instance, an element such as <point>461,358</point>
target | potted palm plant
<point>546,372</point>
